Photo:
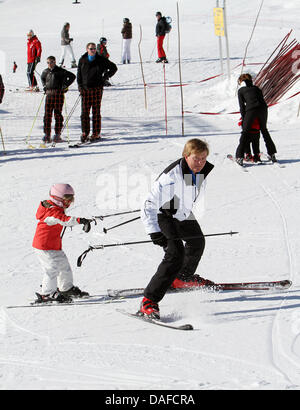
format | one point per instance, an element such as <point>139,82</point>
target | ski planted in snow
<point>268,285</point>
<point>157,322</point>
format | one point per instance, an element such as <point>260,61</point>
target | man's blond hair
<point>195,146</point>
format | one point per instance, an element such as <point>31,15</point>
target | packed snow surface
<point>242,339</point>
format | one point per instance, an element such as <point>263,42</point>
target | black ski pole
<point>101,217</point>
<point>92,247</point>
<point>123,223</point>
<point>63,232</point>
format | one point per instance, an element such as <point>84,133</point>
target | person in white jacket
<point>168,219</point>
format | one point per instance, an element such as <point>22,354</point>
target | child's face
<point>68,200</point>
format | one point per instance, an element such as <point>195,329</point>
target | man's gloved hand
<point>158,238</point>
<point>86,224</point>
<point>37,60</point>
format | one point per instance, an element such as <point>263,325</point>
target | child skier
<point>57,282</point>
<point>253,139</point>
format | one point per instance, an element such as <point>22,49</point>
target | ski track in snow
<point>283,356</point>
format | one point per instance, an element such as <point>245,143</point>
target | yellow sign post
<point>219,21</point>
<point>221,31</point>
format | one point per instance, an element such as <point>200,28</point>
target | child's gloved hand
<point>86,224</point>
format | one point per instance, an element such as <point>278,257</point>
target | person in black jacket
<point>253,105</point>
<point>56,81</point>
<point>93,71</point>
<point>2,89</point>
<point>160,32</point>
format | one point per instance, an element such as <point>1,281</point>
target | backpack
<point>167,22</point>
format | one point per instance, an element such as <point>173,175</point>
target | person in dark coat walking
<point>93,71</point>
<point>160,32</point>
<point>126,43</point>
<point>253,105</point>
<point>168,219</point>
<point>56,81</point>
<point>2,89</point>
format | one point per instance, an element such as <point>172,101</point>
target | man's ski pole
<point>92,247</point>
<point>101,217</point>
<point>70,114</point>
<point>105,230</point>
<point>4,152</point>
<point>36,115</point>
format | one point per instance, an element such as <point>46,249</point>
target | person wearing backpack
<point>161,30</point>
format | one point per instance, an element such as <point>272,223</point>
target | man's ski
<point>77,302</point>
<point>277,285</point>
<point>268,285</point>
<point>82,144</point>
<point>186,326</point>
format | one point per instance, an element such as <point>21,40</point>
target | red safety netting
<point>280,73</point>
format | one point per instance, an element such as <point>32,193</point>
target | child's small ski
<point>77,302</point>
<point>233,159</point>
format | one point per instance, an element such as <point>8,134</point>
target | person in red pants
<point>160,34</point>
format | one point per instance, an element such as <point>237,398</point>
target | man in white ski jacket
<point>168,219</point>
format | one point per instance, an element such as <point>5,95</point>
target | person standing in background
<point>66,46</point>
<point>127,36</point>
<point>253,105</point>
<point>93,71</point>
<point>2,89</point>
<point>34,52</point>
<point>160,32</point>
<point>56,81</point>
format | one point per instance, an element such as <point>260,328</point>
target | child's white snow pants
<point>57,271</point>
<point>126,55</point>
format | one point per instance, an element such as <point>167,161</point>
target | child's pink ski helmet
<point>61,192</point>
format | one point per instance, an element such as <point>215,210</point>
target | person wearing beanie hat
<point>160,35</point>
<point>57,285</point>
